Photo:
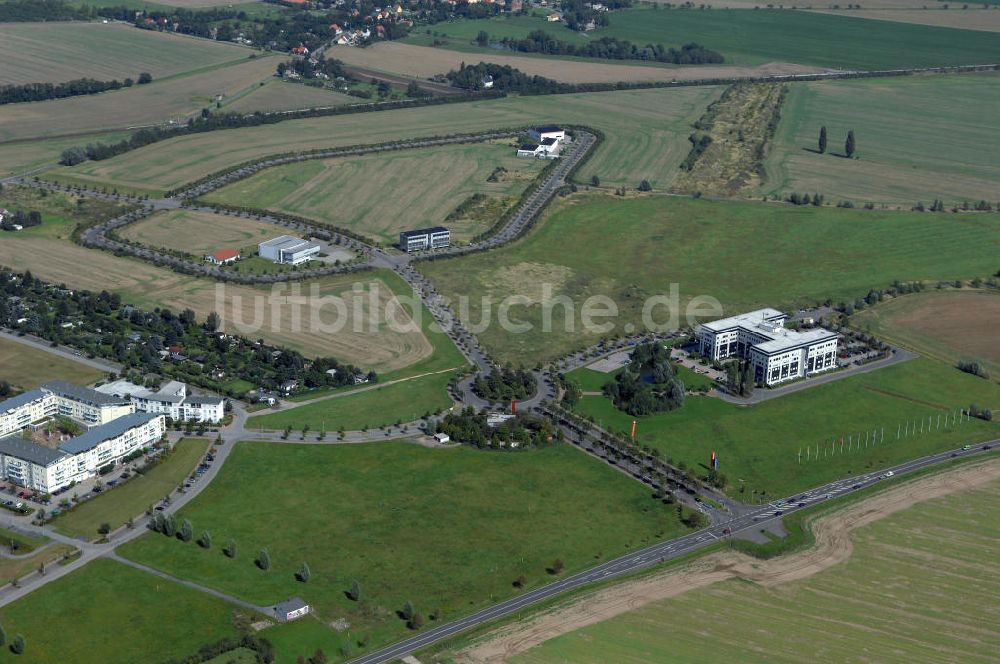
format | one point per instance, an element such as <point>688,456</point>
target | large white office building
<point>776,353</point>
<point>288,250</point>
<point>172,400</point>
<point>115,430</point>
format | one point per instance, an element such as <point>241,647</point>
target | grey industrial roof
<point>204,400</point>
<point>789,339</point>
<point>112,429</point>
<point>288,243</point>
<point>84,394</point>
<point>30,451</point>
<point>21,400</point>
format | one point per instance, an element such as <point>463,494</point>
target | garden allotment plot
<point>380,195</point>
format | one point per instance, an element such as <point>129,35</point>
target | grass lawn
<point>133,497</point>
<point>365,193</point>
<point>760,444</point>
<point>646,134</point>
<point>950,325</point>
<point>918,138</point>
<point>107,613</point>
<point>643,246</point>
<point>590,380</point>
<point>886,598</point>
<point>26,367</point>
<point>755,37</point>
<point>445,529</point>
<point>403,402</point>
<point>15,568</point>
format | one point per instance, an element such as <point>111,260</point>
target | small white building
<point>487,82</point>
<point>776,353</point>
<point>442,438</point>
<point>291,609</point>
<point>288,250</point>
<point>547,131</point>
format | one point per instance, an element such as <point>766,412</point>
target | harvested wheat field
<point>198,233</point>
<point>155,103</point>
<point>426,61</point>
<point>56,52</point>
<point>909,574</point>
<point>341,325</point>
<point>949,325</point>
<point>975,18</point>
<point>278,95</point>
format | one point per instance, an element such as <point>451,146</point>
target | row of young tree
<point>13,94</point>
<point>850,147</point>
<point>607,48</point>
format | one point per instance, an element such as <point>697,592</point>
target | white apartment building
<point>47,469</point>
<point>172,400</point>
<point>777,354</point>
<point>61,398</point>
<point>425,238</point>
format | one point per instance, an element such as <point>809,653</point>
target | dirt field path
<point>833,546</point>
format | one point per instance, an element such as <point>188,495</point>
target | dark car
<point>987,447</point>
<point>802,503</point>
<point>727,531</point>
<point>856,486</point>
<point>159,508</point>
<point>777,512</point>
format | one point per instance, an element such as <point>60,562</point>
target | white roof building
<point>288,250</point>
<point>172,400</point>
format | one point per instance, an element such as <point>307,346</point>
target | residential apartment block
<point>172,400</point>
<point>776,353</point>
<point>115,430</point>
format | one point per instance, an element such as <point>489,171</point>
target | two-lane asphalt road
<point>664,551</point>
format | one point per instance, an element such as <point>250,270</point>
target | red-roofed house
<point>300,50</point>
<point>223,256</point>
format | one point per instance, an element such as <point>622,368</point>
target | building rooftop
<point>226,254</point>
<point>549,141</point>
<point>289,605</point>
<point>30,451</point>
<point>423,231</point>
<point>112,429</point>
<point>83,394</point>
<point>287,243</point>
<point>21,400</point>
<point>545,129</point>
<point>785,339</point>
<point>751,319</point>
<point>530,147</point>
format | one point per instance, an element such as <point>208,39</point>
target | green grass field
<point>365,193</point>
<point>131,499</point>
<point>646,136</point>
<point>951,325</point>
<point>755,37</point>
<point>445,529</point>
<point>919,585</point>
<point>760,444</point>
<point>634,249</point>
<point>918,138</point>
<point>55,52</point>
<point>402,402</point>
<point>107,613</point>
<point>26,367</point>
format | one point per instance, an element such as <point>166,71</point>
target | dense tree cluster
<point>739,378</point>
<point>262,648</point>
<point>611,48</point>
<point>647,384</point>
<point>974,368</point>
<point>12,94</point>
<point>20,218</point>
<point>102,325</point>
<point>580,14</point>
<point>506,383</point>
<point>521,431</point>
<point>505,78</point>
